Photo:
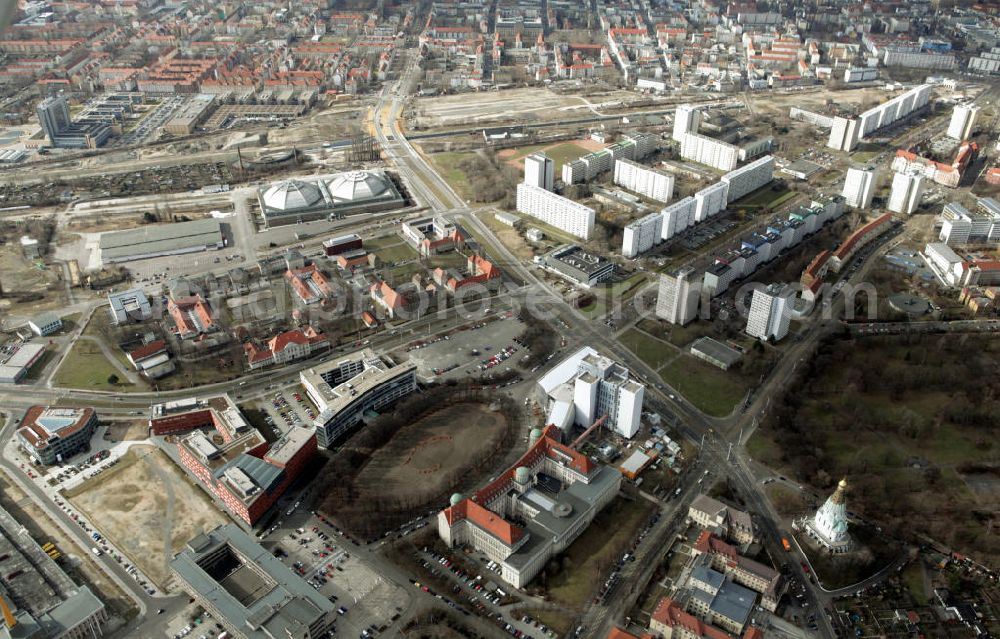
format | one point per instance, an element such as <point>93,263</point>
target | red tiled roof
<point>389,295</point>
<point>844,249</point>
<point>149,350</point>
<point>295,277</point>
<point>670,614</point>
<point>36,434</point>
<point>546,445</point>
<point>817,263</point>
<point>178,311</point>
<point>618,633</point>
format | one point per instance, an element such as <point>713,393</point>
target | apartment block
<point>749,178</point>
<point>709,151</point>
<point>642,234</point>
<point>859,187</point>
<point>677,301</point>
<point>770,309</point>
<point>651,183</point>
<point>906,191</point>
<point>554,209</point>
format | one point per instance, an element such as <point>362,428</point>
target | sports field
<point>560,152</point>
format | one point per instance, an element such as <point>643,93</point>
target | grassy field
<point>865,152</point>
<point>713,390</point>
<point>507,235</point>
<point>399,252</point>
<point>403,272</point>
<point>649,349</point>
<point>376,243</point>
<point>913,577</point>
<point>447,164</point>
<point>190,374</point>
<point>675,333</point>
<point>451,259</point>
<point>764,198</point>
<point>560,153</point>
<point>629,286</point>
<point>580,567</point>
<point>86,367</point>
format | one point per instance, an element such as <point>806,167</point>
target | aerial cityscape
<point>543,319</point>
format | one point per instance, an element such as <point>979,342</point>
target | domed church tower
<point>829,525</point>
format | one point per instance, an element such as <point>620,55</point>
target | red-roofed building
<point>859,238</point>
<point>152,360</point>
<point>671,621</point>
<point>480,271</point>
<point>244,472</point>
<point>485,521</point>
<point>387,298</point>
<point>945,174</point>
<point>618,633</point>
<point>148,351</point>
<point>309,284</point>
<point>352,259</point>
<point>812,277</point>
<point>192,316</point>
<point>285,347</point>
<point>51,435</point>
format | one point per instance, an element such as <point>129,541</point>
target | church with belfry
<point>828,527</point>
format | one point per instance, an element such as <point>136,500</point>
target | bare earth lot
<point>517,105</point>
<point>418,462</point>
<point>148,508</point>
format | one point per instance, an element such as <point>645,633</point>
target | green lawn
<point>376,243</point>
<point>35,372</point>
<point>913,577</point>
<point>676,334</point>
<point>402,273</point>
<point>200,373</point>
<point>399,252</point>
<point>451,259</point>
<point>650,350</point>
<point>623,288</point>
<point>714,391</point>
<point>86,367</point>
<point>447,164</point>
<point>766,197</point>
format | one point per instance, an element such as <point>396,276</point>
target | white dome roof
<point>357,185</point>
<point>292,194</point>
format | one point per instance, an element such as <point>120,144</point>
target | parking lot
<point>480,348</point>
<point>698,236</point>
<point>150,125</point>
<point>367,604</point>
<point>286,409</point>
<point>477,587</point>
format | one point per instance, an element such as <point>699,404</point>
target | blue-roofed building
<point>716,598</point>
